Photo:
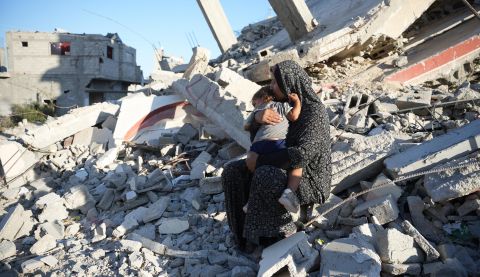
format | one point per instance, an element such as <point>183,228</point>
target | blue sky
<point>140,23</point>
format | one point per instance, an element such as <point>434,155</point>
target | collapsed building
<point>133,187</point>
<point>69,70</point>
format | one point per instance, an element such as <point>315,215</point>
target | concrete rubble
<point>133,187</point>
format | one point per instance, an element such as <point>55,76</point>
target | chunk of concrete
<point>16,159</point>
<point>43,245</point>
<point>218,106</point>
<point>225,76</point>
<point>454,183</point>
<point>414,99</point>
<point>54,228</point>
<point>7,249</point>
<point>359,159</point>
<point>396,247</point>
<point>427,247</point>
<point>349,257</point>
<point>94,134</point>
<point>456,143</point>
<point>49,260</point>
<point>384,208</point>
<point>423,225</point>
<point>294,252</point>
<point>69,124</point>
<point>29,266</point>
<point>79,198</point>
<point>130,245</point>
<point>211,185</point>
<point>173,226</point>
<point>156,210</point>
<point>198,62</point>
<point>328,221</point>
<point>185,134</point>
<point>468,206</point>
<point>391,188</point>
<point>153,246</point>
<point>12,222</point>
<point>402,269</point>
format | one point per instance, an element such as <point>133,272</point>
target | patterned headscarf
<point>291,78</point>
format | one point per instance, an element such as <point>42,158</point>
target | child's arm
<point>294,113</point>
<point>294,178</point>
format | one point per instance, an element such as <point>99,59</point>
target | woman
<point>308,149</point>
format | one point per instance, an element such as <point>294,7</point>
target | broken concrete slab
<point>360,159</point>
<point>16,159</point>
<point>198,62</point>
<point>156,210</point>
<point>294,252</point>
<point>427,247</point>
<point>186,133</point>
<point>29,266</point>
<point>69,124</point>
<point>424,226</point>
<point>211,185</point>
<point>413,269</point>
<point>94,135</point>
<point>79,198</point>
<point>396,247</point>
<point>454,144</point>
<point>384,208</point>
<point>225,76</point>
<point>214,102</point>
<point>173,226</point>
<point>451,184</point>
<point>12,222</point>
<point>295,16</point>
<point>349,256</point>
<point>7,249</point>
<point>43,245</point>
<point>329,220</point>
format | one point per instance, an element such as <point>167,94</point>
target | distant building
<point>66,69</point>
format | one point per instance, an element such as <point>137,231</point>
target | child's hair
<point>264,93</point>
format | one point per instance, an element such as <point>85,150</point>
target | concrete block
<point>153,246</point>
<point>49,260</point>
<point>359,159</point>
<point>367,232</point>
<point>30,266</point>
<point>130,246</point>
<point>392,189</point>
<point>422,224</point>
<point>211,185</point>
<point>173,226</point>
<point>156,210</point>
<point>79,198</point>
<point>454,144</point>
<point>185,134</point>
<point>225,76</point>
<point>413,99</point>
<point>107,158</point>
<point>11,223</point>
<point>99,232</point>
<point>456,183</point>
<point>106,200</point>
<point>396,247</point>
<point>198,62</point>
<point>110,123</point>
<point>468,206</point>
<point>93,135</point>
<point>218,106</point>
<point>294,252</point>
<point>329,220</point>
<point>384,209</point>
<point>402,269</point>
<point>56,229</point>
<point>295,17</point>
<point>427,247</point>
<point>44,244</point>
<point>7,249</point>
<point>201,159</point>
<point>349,257</point>
<point>69,124</point>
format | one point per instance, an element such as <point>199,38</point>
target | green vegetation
<point>35,113</point>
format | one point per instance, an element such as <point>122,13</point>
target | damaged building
<point>69,70</point>
<point>133,187</point>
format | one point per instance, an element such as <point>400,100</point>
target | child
<point>271,138</point>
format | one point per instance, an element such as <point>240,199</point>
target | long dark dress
<point>308,147</point>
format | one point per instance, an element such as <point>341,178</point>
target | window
<point>60,48</point>
<point>109,52</point>
<point>24,43</point>
<point>96,97</point>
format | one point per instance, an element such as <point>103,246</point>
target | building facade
<point>67,69</point>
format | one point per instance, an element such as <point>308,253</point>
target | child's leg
<point>294,178</point>
<point>288,199</point>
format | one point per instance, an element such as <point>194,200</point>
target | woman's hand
<point>251,161</point>
<point>268,116</point>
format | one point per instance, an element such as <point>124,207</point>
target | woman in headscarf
<point>308,148</point>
